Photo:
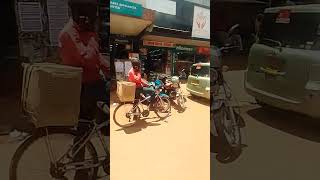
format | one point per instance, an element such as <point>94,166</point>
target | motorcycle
<point>172,88</point>
<point>225,119</point>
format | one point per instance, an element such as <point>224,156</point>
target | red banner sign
<point>158,44</point>
<point>203,50</point>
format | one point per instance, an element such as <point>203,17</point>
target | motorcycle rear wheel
<point>229,133</point>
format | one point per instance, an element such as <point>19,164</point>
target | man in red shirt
<point>134,76</point>
<point>78,46</point>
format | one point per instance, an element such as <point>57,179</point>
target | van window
<point>202,71</point>
<point>297,30</point>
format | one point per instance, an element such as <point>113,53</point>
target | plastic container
<point>51,94</point>
<point>126,91</point>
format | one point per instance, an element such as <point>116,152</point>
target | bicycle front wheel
<point>126,115</point>
<point>35,149</point>
<point>162,107</point>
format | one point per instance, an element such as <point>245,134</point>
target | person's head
<point>84,13</point>
<point>135,64</point>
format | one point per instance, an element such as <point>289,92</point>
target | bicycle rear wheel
<point>34,149</point>
<point>162,107</point>
<point>126,115</point>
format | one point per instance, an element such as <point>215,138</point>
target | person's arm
<point>144,82</point>
<point>131,77</point>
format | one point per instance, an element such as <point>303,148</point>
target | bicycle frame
<point>81,143</point>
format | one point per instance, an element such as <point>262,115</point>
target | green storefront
<point>183,58</point>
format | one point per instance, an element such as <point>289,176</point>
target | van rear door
<point>279,63</point>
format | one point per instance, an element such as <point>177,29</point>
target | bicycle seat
<point>103,106</point>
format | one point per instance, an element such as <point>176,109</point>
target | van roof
<point>309,8</point>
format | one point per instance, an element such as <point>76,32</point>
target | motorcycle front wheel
<point>228,130</point>
<point>182,102</point>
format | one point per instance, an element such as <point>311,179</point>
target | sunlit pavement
<point>173,149</point>
<point>278,145</point>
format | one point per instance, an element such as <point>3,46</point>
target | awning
<point>190,42</point>
<point>126,25</point>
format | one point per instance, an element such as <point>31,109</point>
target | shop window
<point>184,60</point>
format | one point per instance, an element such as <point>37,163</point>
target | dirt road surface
<point>278,145</point>
<point>170,149</point>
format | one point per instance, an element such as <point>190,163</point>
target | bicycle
<point>132,111</point>
<point>61,165</point>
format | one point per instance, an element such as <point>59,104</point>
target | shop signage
<point>201,23</point>
<point>126,7</point>
<point>203,50</point>
<point>163,6</point>
<point>185,48</point>
<point>121,40</point>
<point>142,2</point>
<point>158,44</point>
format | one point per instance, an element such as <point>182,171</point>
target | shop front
<point>158,56</point>
<point>170,58</point>
<point>185,56</point>
<point>128,20</point>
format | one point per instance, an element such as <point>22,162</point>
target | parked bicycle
<point>128,113</point>
<point>59,146</point>
<point>50,151</point>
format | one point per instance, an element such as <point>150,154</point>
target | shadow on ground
<point>289,122</point>
<point>143,123</point>
<point>177,107</point>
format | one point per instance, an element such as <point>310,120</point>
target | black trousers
<point>90,94</point>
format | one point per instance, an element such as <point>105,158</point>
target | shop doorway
<point>183,60</point>
<point>156,60</point>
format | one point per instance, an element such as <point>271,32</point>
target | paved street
<point>278,145</point>
<point>172,149</point>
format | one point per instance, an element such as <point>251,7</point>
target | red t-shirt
<point>80,49</point>
<point>135,77</point>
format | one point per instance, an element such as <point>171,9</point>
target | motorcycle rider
<point>142,86</point>
<point>134,75</point>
